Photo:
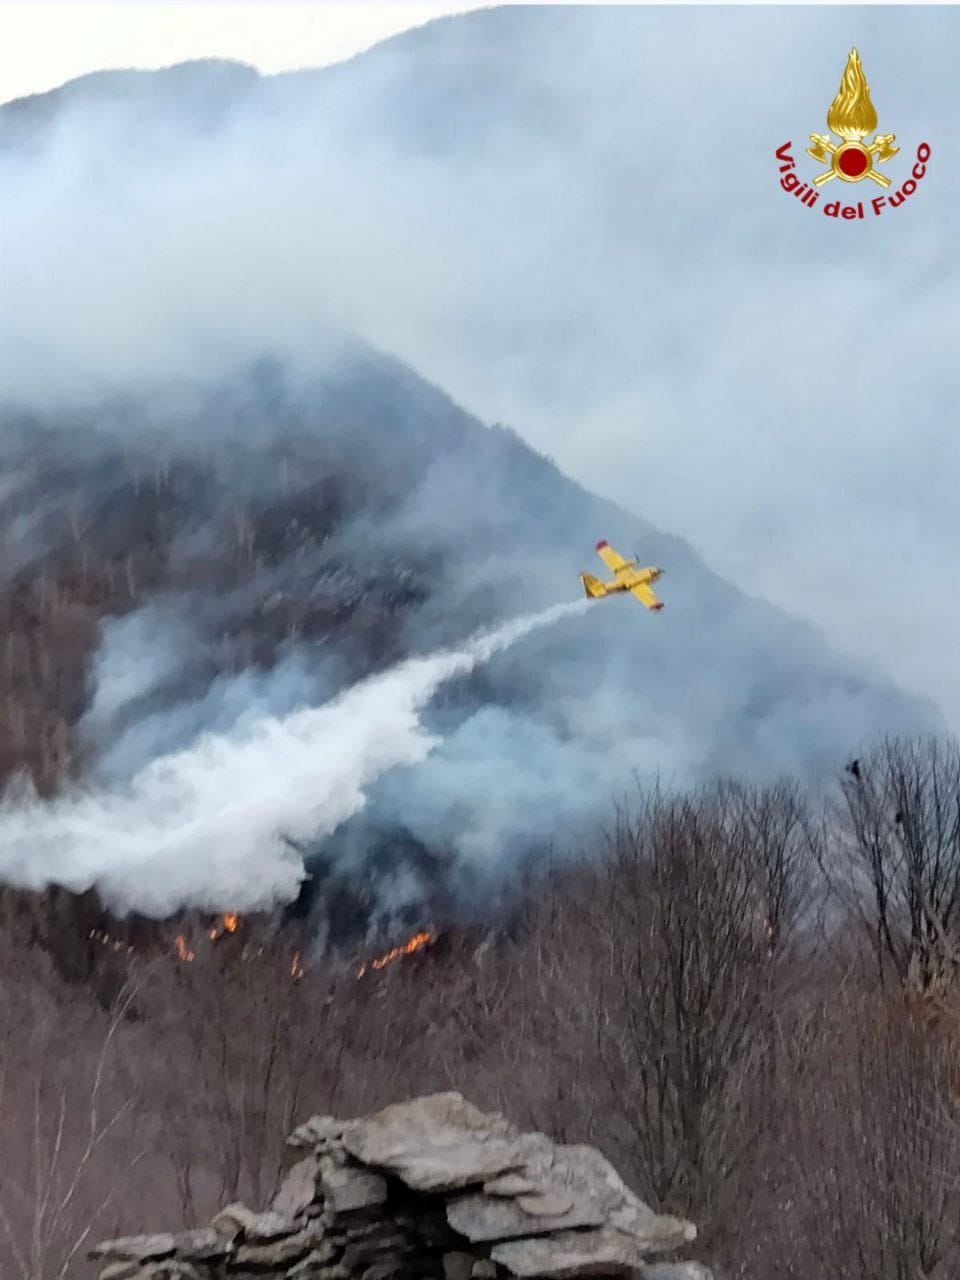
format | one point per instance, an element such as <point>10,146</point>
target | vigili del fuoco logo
<point>851,117</point>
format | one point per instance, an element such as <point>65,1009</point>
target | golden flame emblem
<point>851,117</point>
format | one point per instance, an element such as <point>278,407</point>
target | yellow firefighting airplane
<point>627,577</point>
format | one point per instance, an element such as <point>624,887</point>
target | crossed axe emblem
<point>825,152</point>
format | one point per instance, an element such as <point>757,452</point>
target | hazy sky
<point>42,45</point>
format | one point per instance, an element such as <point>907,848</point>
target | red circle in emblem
<point>853,162</point>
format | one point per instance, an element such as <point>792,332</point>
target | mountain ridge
<point>482,525</point>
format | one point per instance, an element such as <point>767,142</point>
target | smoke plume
<point>211,827</point>
<point>222,502</point>
<point>506,201</point>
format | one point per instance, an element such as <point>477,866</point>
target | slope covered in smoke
<point>215,560</point>
<point>217,511</point>
<point>569,218</point>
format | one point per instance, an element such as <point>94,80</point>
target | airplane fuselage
<point>627,577</point>
<point>627,582</point>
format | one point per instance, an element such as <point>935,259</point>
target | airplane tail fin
<point>592,586</point>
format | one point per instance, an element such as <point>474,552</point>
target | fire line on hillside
<point>230,923</point>
<point>415,943</point>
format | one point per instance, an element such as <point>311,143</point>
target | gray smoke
<point>571,220</point>
<point>497,201</point>
<point>209,826</point>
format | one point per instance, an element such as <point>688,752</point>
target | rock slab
<point>430,1189</point>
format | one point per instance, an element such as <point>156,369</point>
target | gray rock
<point>237,1218</point>
<point>316,1130</point>
<point>587,1174</point>
<point>171,1269</point>
<point>579,1189</point>
<point>586,1253</point>
<point>438,1143</point>
<point>654,1232</point>
<point>202,1245</point>
<point>137,1248</point>
<point>120,1270</point>
<point>455,1167</point>
<point>546,1204</point>
<point>323,1251</point>
<point>310,1267</point>
<point>276,1253</point>
<point>347,1189</point>
<point>511,1184</point>
<point>298,1189</point>
<point>555,1212</point>
<point>457,1266</point>
<point>480,1217</point>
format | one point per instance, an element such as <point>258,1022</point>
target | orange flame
<point>183,951</point>
<point>296,968</point>
<point>416,943</point>
<point>228,924</point>
<point>114,944</point>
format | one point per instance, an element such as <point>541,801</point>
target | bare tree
<point>701,898</point>
<point>895,857</point>
<point>864,1182</point>
<point>252,1041</point>
<point>68,1122</point>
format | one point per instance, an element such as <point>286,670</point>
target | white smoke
<point>541,247</point>
<point>205,827</point>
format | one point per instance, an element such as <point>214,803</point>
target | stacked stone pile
<point>430,1189</point>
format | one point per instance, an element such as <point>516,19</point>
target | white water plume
<point>205,827</point>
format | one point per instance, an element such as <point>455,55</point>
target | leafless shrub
<point>69,1119</point>
<point>863,1182</point>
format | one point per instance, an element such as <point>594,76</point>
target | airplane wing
<point>612,559</point>
<point>646,596</point>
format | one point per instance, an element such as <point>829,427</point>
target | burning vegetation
<point>229,925</point>
<point>183,951</point>
<point>417,943</point>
